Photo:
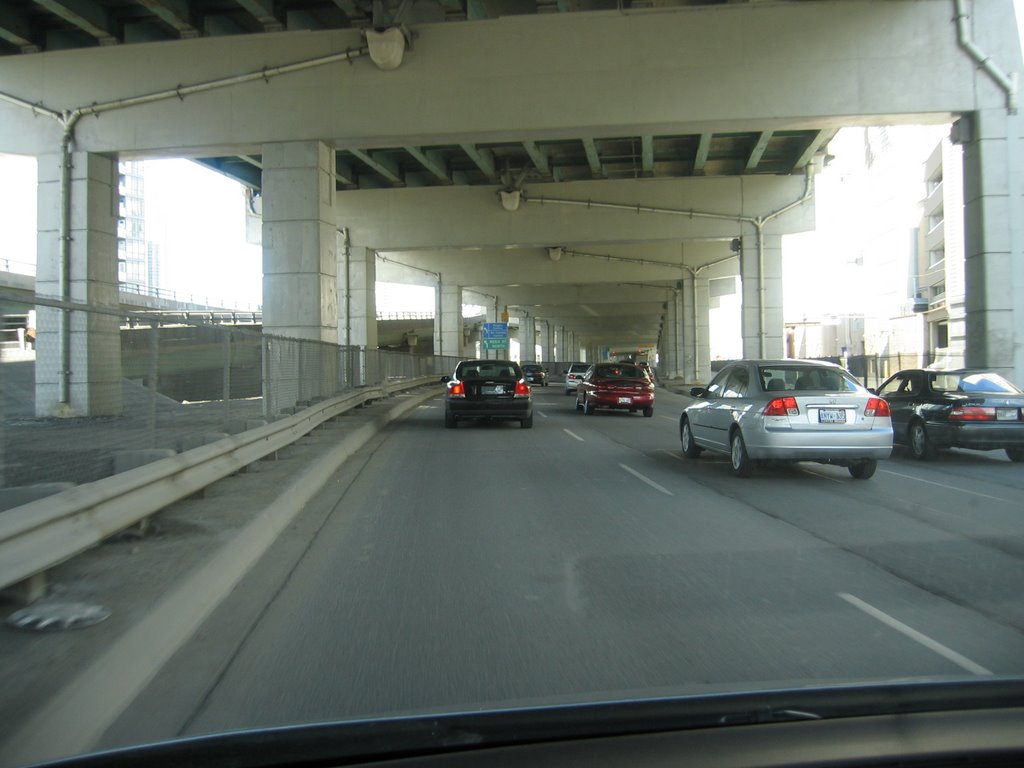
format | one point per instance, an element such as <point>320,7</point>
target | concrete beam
<point>88,16</point>
<point>403,219</point>
<point>174,13</point>
<point>575,82</point>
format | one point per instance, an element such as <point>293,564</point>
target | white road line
<point>673,454</point>
<point>540,413</point>
<point>668,418</point>
<point>647,480</point>
<point>933,645</point>
<point>822,476</point>
<point>947,487</point>
<point>572,434</point>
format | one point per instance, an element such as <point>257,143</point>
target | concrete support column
<point>559,342</point>
<point>94,340</point>
<point>671,349</point>
<point>545,341</point>
<point>448,320</point>
<point>527,339</point>
<point>994,243</point>
<point>357,298</point>
<point>299,241</point>
<point>696,351</point>
<point>766,342</point>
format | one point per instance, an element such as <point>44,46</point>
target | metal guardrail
<point>41,534</point>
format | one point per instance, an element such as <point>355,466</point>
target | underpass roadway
<point>583,559</point>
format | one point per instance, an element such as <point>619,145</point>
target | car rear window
<point>578,368</point>
<point>619,372</point>
<point>791,378</point>
<point>973,382</point>
<point>488,370</point>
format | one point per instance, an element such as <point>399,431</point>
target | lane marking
<point>542,414</point>
<point>822,476</point>
<point>573,434</point>
<point>668,418</point>
<point>947,653</point>
<point>647,480</point>
<point>947,487</point>
<point>673,454</point>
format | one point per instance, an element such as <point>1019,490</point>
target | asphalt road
<point>587,559</point>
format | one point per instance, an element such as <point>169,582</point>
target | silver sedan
<point>788,410</point>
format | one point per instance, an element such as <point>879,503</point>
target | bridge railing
<point>144,389</point>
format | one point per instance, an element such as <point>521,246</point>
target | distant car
<point>535,374</point>
<point>646,367</point>
<point>789,410</point>
<point>621,386</point>
<point>487,389</point>
<point>573,376</point>
<point>955,409</point>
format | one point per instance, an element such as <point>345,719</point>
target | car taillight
<point>877,407</point>
<point>782,406</point>
<point>458,389</point>
<point>522,389</point>
<point>972,413</point>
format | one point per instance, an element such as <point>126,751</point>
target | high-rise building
<point>132,266</point>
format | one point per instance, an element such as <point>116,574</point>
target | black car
<point>487,389</point>
<point>535,374</point>
<point>955,409</point>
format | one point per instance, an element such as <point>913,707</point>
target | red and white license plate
<point>1006,414</point>
<point>625,400</point>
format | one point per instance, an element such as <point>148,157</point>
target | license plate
<point>1006,414</point>
<point>831,416</point>
<point>495,390</point>
<point>625,400</point>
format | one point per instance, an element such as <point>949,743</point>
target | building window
<point>935,219</point>
<point>936,256</point>
<point>935,182</point>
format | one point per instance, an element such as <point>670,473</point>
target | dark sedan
<point>622,386</point>
<point>955,409</point>
<point>487,389</point>
<point>535,374</point>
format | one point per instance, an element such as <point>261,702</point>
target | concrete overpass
<point>641,151</point>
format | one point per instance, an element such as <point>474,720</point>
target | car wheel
<point>649,411</point>
<point>862,470</point>
<point>1015,454</point>
<point>526,423</point>
<point>918,442</point>
<point>690,449</point>
<point>742,466</point>
<point>449,420</point>
<point>588,409</point>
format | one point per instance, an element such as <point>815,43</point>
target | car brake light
<point>782,406</point>
<point>972,413</point>
<point>877,407</point>
<point>457,389</point>
<point>522,389</point>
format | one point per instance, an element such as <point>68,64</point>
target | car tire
<point>526,423</point>
<point>449,420</point>
<point>1015,454</point>
<point>690,449</point>
<point>862,470</point>
<point>649,411</point>
<point>739,460</point>
<point>917,441</point>
<point>588,409</point>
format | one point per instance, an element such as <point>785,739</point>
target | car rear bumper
<point>521,408</point>
<point>820,446</point>
<point>986,435</point>
<point>636,401</point>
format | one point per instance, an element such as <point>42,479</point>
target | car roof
<point>789,361</point>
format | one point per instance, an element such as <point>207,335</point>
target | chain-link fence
<point>134,388</point>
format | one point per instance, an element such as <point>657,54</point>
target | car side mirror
<point>445,379</point>
<point>698,392</point>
